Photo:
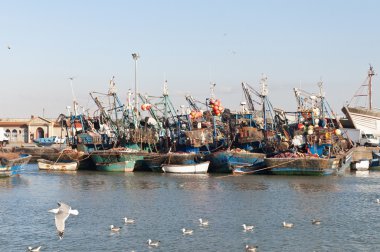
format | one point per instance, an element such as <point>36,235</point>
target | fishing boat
<point>154,161</point>
<point>249,129</point>
<point>34,151</point>
<point>313,145</point>
<point>359,115</point>
<point>375,161</point>
<point>116,159</point>
<point>225,161</point>
<point>11,163</point>
<point>360,165</point>
<point>197,168</point>
<point>311,166</point>
<point>44,164</point>
<point>70,156</point>
<point>49,141</point>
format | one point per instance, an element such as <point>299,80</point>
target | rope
<point>249,172</point>
<point>266,168</point>
<point>56,161</point>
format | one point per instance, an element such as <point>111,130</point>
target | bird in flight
<point>61,214</point>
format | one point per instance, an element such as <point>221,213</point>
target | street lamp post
<point>135,56</point>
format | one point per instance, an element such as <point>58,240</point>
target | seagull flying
<point>61,214</point>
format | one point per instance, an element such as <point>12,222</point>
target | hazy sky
<point>189,43</point>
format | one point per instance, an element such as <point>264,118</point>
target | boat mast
<point>370,74</point>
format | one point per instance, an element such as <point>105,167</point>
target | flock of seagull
<point>63,212</point>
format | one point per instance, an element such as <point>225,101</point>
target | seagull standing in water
<point>203,222</point>
<point>153,243</point>
<point>128,220</point>
<point>61,214</point>
<point>315,222</point>
<point>250,248</point>
<point>34,249</point>
<point>114,229</point>
<point>287,225</point>
<point>187,231</point>
<point>247,228</point>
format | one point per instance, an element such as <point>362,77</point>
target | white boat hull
<point>364,119</point>
<point>187,168</point>
<point>362,165</point>
<point>56,166</point>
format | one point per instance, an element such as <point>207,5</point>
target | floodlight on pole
<point>135,56</point>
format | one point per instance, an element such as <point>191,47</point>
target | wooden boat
<point>117,159</point>
<point>313,166</point>
<point>187,168</point>
<point>11,163</point>
<point>257,168</point>
<point>44,164</point>
<point>35,152</point>
<point>226,160</point>
<point>360,165</point>
<point>156,160</point>
<point>49,141</point>
<point>71,155</point>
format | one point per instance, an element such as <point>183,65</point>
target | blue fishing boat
<point>226,161</point>
<point>375,161</point>
<point>12,163</point>
<point>249,129</point>
<point>313,144</point>
<point>49,141</point>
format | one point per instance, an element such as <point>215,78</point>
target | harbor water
<point>163,204</point>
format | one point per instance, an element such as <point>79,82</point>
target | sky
<point>191,44</point>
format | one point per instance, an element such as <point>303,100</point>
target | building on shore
<point>25,130</point>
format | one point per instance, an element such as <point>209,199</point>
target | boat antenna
<point>72,92</point>
<point>212,90</point>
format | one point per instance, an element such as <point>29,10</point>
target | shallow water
<point>163,204</point>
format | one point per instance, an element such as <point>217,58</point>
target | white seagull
<point>153,243</point>
<point>128,220</point>
<point>247,228</point>
<point>315,222</point>
<point>34,249</point>
<point>203,222</point>
<point>61,214</point>
<point>114,229</point>
<point>187,231</point>
<point>287,225</point>
<point>378,201</point>
<point>250,248</point>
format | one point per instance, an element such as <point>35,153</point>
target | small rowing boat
<point>194,168</point>
<point>11,163</point>
<point>44,164</point>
